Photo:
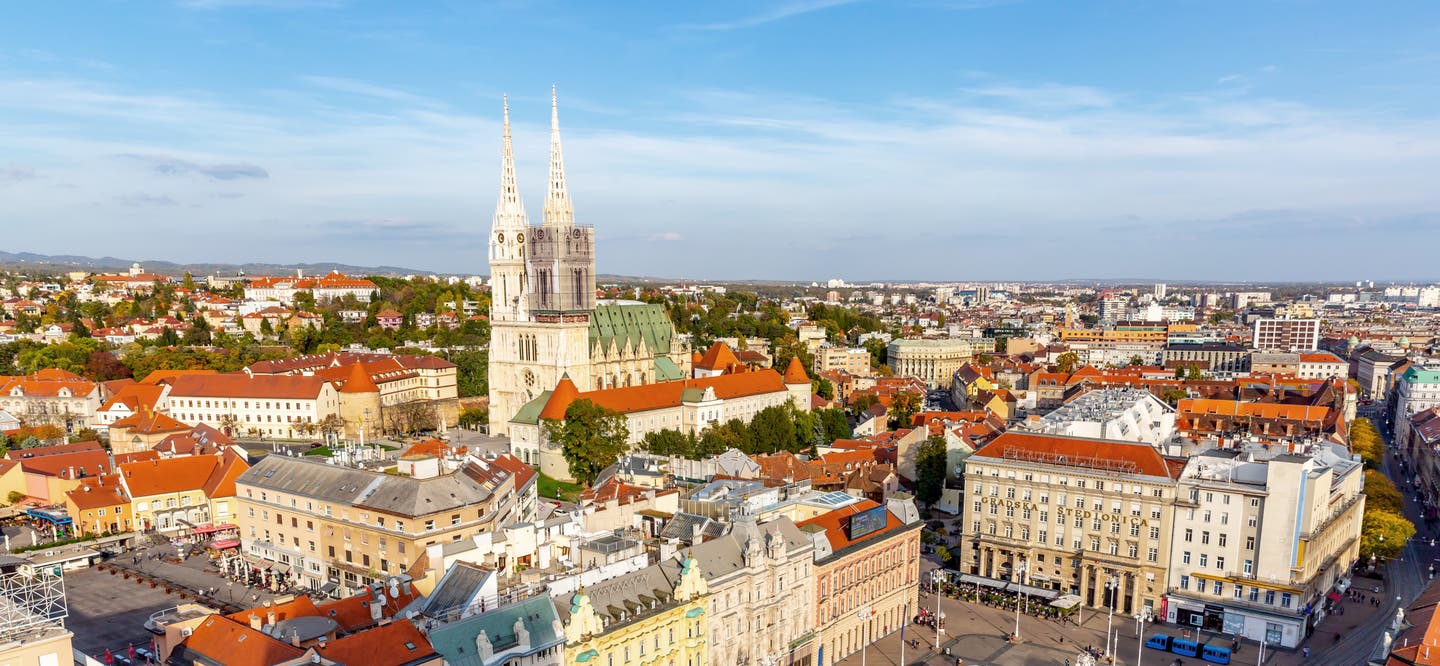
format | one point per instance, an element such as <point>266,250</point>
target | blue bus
<point>1215,655</point>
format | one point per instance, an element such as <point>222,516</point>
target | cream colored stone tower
<point>542,289</point>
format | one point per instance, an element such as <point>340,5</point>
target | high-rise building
<point>1286,334</point>
<point>1160,290</point>
<point>545,321</point>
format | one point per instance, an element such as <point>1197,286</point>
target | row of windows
<point>1238,591</point>
<point>240,404</point>
<point>1115,486</point>
<point>1078,542</point>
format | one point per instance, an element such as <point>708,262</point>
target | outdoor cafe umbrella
<point>1066,601</point>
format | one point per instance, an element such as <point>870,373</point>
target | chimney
<point>270,617</point>
<point>295,637</point>
<point>255,622</point>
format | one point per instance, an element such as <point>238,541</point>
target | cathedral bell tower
<point>508,301</point>
<point>562,276</point>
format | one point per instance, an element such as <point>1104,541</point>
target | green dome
<point>1354,341</point>
<point>1404,341</point>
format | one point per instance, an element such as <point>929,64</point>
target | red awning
<point>208,528</point>
<point>222,544</point>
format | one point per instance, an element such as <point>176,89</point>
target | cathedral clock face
<point>500,237</point>
<point>529,378</point>
<point>520,238</point>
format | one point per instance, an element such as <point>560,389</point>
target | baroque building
<point>545,321</point>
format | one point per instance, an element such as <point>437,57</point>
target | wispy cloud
<point>15,174</point>
<point>141,199</point>
<point>364,89</point>
<point>1047,95</point>
<point>414,185</point>
<point>174,166</point>
<point>778,12</point>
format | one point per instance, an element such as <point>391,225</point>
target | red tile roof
<point>795,372</point>
<point>835,524</point>
<point>358,381</point>
<point>353,613</point>
<point>630,399</point>
<point>58,449</point>
<point>1104,456</point>
<point>169,475</point>
<point>150,422</point>
<point>394,644</point>
<point>234,643</point>
<point>717,357</point>
<point>161,375</point>
<point>100,491</point>
<point>240,385</point>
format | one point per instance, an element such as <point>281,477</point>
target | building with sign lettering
<point>867,572</point>
<point>1260,541</point>
<point>1086,516</point>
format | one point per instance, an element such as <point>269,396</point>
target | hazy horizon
<point>992,140</point>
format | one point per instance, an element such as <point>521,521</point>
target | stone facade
<point>545,322</point>
<point>1079,513</point>
<point>760,579</point>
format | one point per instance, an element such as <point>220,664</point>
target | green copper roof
<point>666,370</point>
<point>627,324</point>
<point>456,641</point>
<point>530,413</point>
<point>1418,375</point>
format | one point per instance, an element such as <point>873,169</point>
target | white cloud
<point>773,186</point>
<point>777,12</point>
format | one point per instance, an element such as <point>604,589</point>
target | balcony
<point>1337,515</point>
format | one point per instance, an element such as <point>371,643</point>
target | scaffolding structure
<point>30,597</point>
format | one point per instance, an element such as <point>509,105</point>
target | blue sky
<point>802,139</point>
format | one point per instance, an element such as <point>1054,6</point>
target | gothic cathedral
<point>544,318</point>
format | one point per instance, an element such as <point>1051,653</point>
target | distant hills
<point>30,261</point>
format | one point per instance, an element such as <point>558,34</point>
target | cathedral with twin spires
<point>545,321</point>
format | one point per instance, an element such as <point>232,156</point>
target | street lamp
<point>1141,617</point>
<point>1020,580</point>
<point>865,614</point>
<point>1112,587</point>
<point>935,575</point>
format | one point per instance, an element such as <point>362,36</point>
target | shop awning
<point>982,580</point>
<point>1037,592</point>
<point>208,528</point>
<point>1066,601</point>
<point>222,544</point>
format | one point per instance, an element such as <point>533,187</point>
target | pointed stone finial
<point>509,211</point>
<point>558,210</point>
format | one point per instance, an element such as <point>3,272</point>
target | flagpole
<point>904,620</point>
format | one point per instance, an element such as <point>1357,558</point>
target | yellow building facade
<point>651,617</point>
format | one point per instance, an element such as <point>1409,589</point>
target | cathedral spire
<point>558,210</point>
<point>509,211</point>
